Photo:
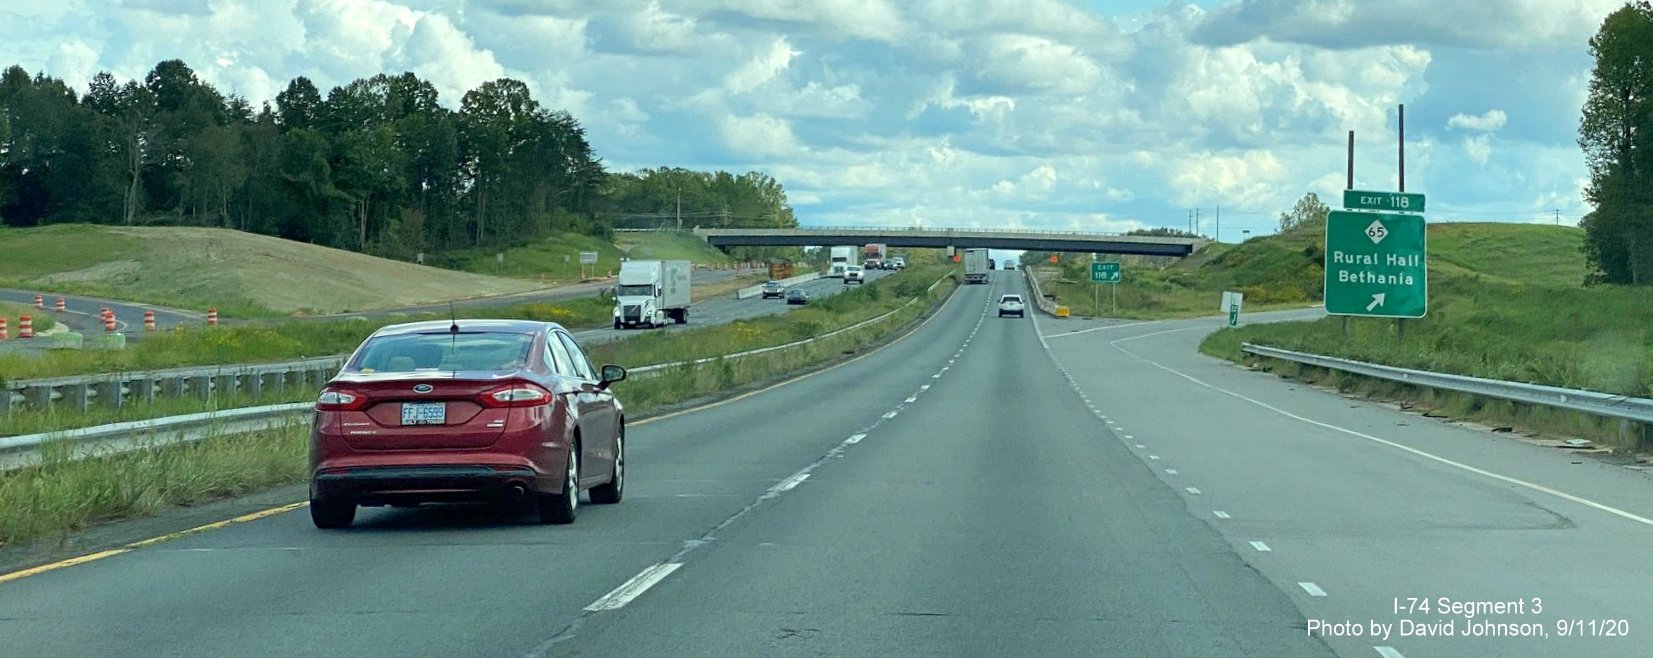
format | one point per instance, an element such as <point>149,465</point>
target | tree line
<point>1616,133</point>
<point>378,165</point>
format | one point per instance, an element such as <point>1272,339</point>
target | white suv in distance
<point>1012,304</point>
<point>854,273</point>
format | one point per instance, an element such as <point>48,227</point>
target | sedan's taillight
<point>517,395</point>
<point>334,399</point>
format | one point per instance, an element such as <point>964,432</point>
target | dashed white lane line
<point>854,439</point>
<point>891,414</point>
<point>1140,446</point>
<point>936,376</point>
<point>1170,471</point>
<point>1388,652</point>
<point>1220,514</point>
<point>1192,490</point>
<point>789,483</point>
<point>925,387</point>
<point>1312,589</point>
<point>631,589</point>
<point>1261,547</point>
<point>1155,457</point>
<point>1131,437</point>
<point>912,399</point>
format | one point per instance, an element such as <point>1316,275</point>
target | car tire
<point>331,513</point>
<point>561,508</point>
<point>611,493</point>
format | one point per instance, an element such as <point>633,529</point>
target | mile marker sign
<point>1376,265</point>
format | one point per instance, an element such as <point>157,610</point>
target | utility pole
<point>1558,217</point>
<point>1350,186</point>
<point>1400,323</point>
<point>1219,237</point>
<point>1196,221</point>
<point>680,209</point>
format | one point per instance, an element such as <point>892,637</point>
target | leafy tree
<point>1308,214</point>
<point>1616,133</point>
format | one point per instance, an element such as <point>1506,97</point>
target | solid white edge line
<point>1261,547</point>
<point>1398,446</point>
<point>631,589</point>
<point>1312,589</point>
<point>1388,652</point>
<point>1086,331</point>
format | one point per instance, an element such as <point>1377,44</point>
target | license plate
<point>424,413</point>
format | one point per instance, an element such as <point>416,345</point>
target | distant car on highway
<point>897,263</point>
<point>1012,304</point>
<point>797,296</point>
<point>773,289</point>
<point>1010,265</point>
<point>467,411</point>
<point>854,274</point>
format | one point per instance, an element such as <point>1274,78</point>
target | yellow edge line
<point>254,516</point>
<point>93,557</point>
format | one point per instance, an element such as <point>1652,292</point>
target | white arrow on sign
<point>1377,300</point>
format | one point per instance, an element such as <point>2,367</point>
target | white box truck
<point>975,266</point>
<point>651,292</point>
<point>840,261</point>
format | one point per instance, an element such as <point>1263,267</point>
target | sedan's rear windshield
<point>441,351</point>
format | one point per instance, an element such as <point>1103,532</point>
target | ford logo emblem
<point>422,388</point>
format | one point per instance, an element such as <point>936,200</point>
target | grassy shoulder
<point>61,495</point>
<point>265,342</point>
<point>241,274</point>
<point>669,246</point>
<point>13,313</point>
<point>1506,302</point>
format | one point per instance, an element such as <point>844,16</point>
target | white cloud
<point>1490,121</point>
<point>1039,113</point>
<point>1479,148</point>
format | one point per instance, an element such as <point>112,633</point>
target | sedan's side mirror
<point>611,373</point>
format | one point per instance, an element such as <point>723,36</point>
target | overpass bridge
<point>895,236</point>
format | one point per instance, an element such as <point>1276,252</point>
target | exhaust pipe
<point>517,490</point>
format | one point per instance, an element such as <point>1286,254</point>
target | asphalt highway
<point>84,314</point>
<point>982,487</point>
<point>725,309</point>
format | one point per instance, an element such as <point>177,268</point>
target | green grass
<point>40,320</point>
<point>264,343</point>
<point>241,274</point>
<point>669,246</point>
<point>62,495</point>
<point>1506,302</point>
<point>552,259</point>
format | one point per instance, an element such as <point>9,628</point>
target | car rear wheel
<point>560,508</point>
<point>612,492</point>
<point>332,514</point>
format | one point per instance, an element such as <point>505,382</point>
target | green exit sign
<point>1377,264</point>
<point>1105,273</point>
<point>1391,201</point>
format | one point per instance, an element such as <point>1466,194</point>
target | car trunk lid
<point>424,410</point>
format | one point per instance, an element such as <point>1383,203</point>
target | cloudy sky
<point>1099,114</point>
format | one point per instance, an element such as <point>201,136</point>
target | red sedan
<point>464,411</point>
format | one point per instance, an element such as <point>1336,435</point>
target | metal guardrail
<point>116,431</point>
<point>203,382</point>
<point>169,423</point>
<point>1623,407</point>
